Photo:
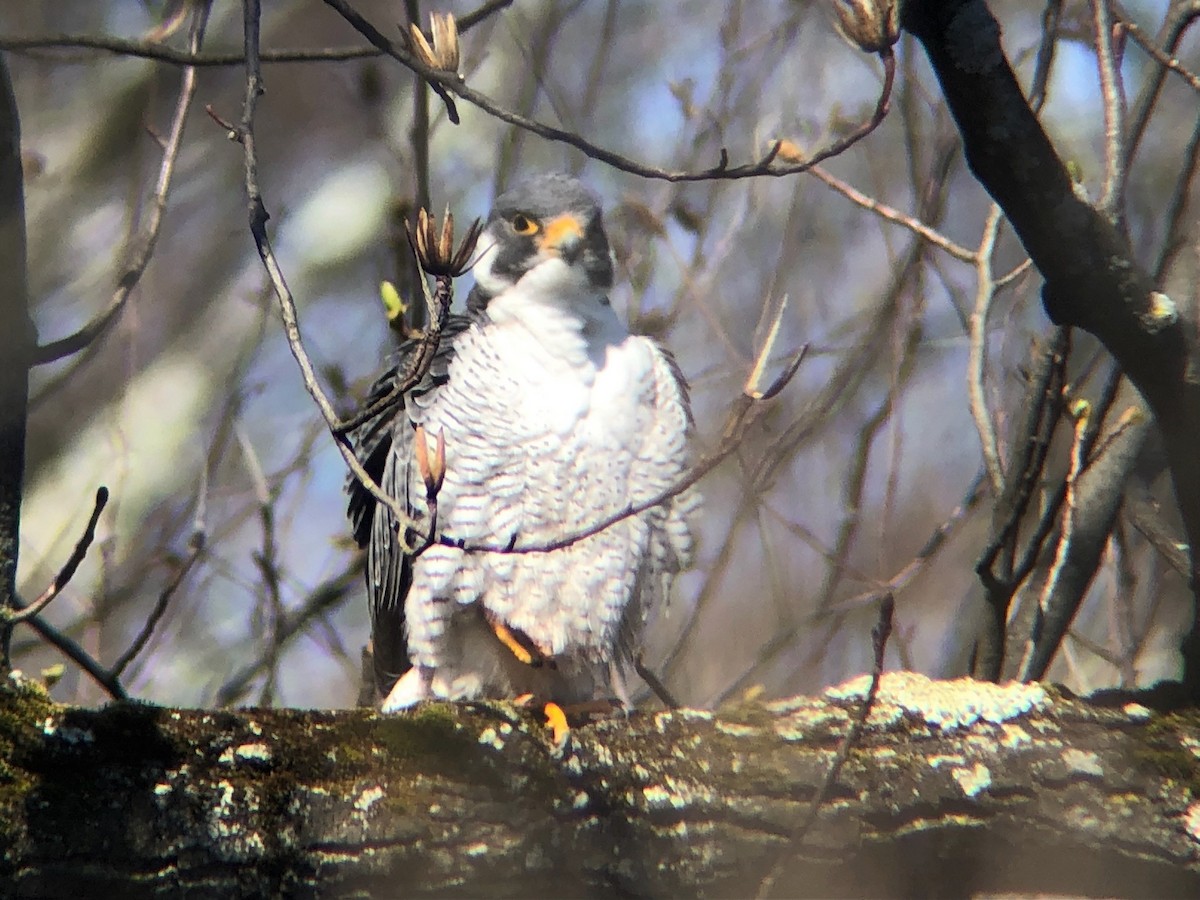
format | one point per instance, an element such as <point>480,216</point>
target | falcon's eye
<point>523,224</point>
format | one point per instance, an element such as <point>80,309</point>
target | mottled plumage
<point>554,418</point>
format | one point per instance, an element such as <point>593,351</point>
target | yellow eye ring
<point>523,225</point>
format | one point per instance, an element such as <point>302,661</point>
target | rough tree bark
<point>954,788</point>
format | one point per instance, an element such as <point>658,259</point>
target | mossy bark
<point>954,788</point>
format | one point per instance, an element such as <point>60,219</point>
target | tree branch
<point>1093,279</point>
<point>953,789</point>
<point>17,340</point>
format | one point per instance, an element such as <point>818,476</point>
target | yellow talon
<point>556,721</point>
<point>508,640</point>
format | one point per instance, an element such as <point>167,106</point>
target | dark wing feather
<point>384,446</point>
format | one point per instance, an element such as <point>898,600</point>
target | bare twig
<point>884,211</point>
<point>1112,90</point>
<point>70,648</point>
<point>985,290</point>
<point>445,83</point>
<point>1165,60</point>
<point>159,52</point>
<point>879,638</point>
<point>67,572</point>
<point>266,559</point>
<point>195,549</point>
<point>654,683</point>
<point>145,242</point>
<point>324,599</point>
<point>1082,415</point>
<point>258,216</point>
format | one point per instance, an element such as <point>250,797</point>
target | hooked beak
<point>564,236</point>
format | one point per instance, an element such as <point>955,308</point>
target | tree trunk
<point>954,788</point>
<point>17,341</point>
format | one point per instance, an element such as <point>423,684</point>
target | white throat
<point>570,319</point>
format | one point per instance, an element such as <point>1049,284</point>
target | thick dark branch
<point>954,788</point>
<point>1093,279</point>
<point>17,340</point>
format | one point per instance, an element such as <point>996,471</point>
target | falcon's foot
<point>411,688</point>
<point>519,644</point>
<point>559,717</point>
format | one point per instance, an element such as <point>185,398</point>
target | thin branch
<point>145,242</point>
<point>1112,90</point>
<point>654,683</point>
<point>68,570</point>
<point>1156,53</point>
<point>195,548</point>
<point>71,650</point>
<point>1173,239</point>
<point>324,598</point>
<point>1147,519</point>
<point>1065,536</point>
<point>985,291</point>
<point>258,216</point>
<point>162,53</point>
<point>879,638</point>
<point>893,585</point>
<point>882,210</point>
<point>451,82</point>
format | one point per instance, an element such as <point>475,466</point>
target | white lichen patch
<point>640,772</point>
<point>581,800</point>
<point>789,705</point>
<point>479,848</point>
<point>224,824</point>
<point>800,725</point>
<point>658,797</point>
<point>733,729</point>
<point>1083,762</point>
<point>923,825</point>
<point>1162,312</point>
<point>489,738</point>
<point>1137,712</point>
<point>604,756</point>
<point>1191,744</point>
<point>367,798</point>
<point>68,734</point>
<point>1012,736</point>
<point>945,705</point>
<point>677,830</point>
<point>974,780</point>
<point>947,759</point>
<point>254,728</point>
<point>692,715</point>
<point>257,752</point>
<point>1191,822</point>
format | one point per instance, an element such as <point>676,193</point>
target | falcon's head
<point>545,236</point>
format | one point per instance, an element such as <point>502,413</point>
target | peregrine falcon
<point>554,418</point>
